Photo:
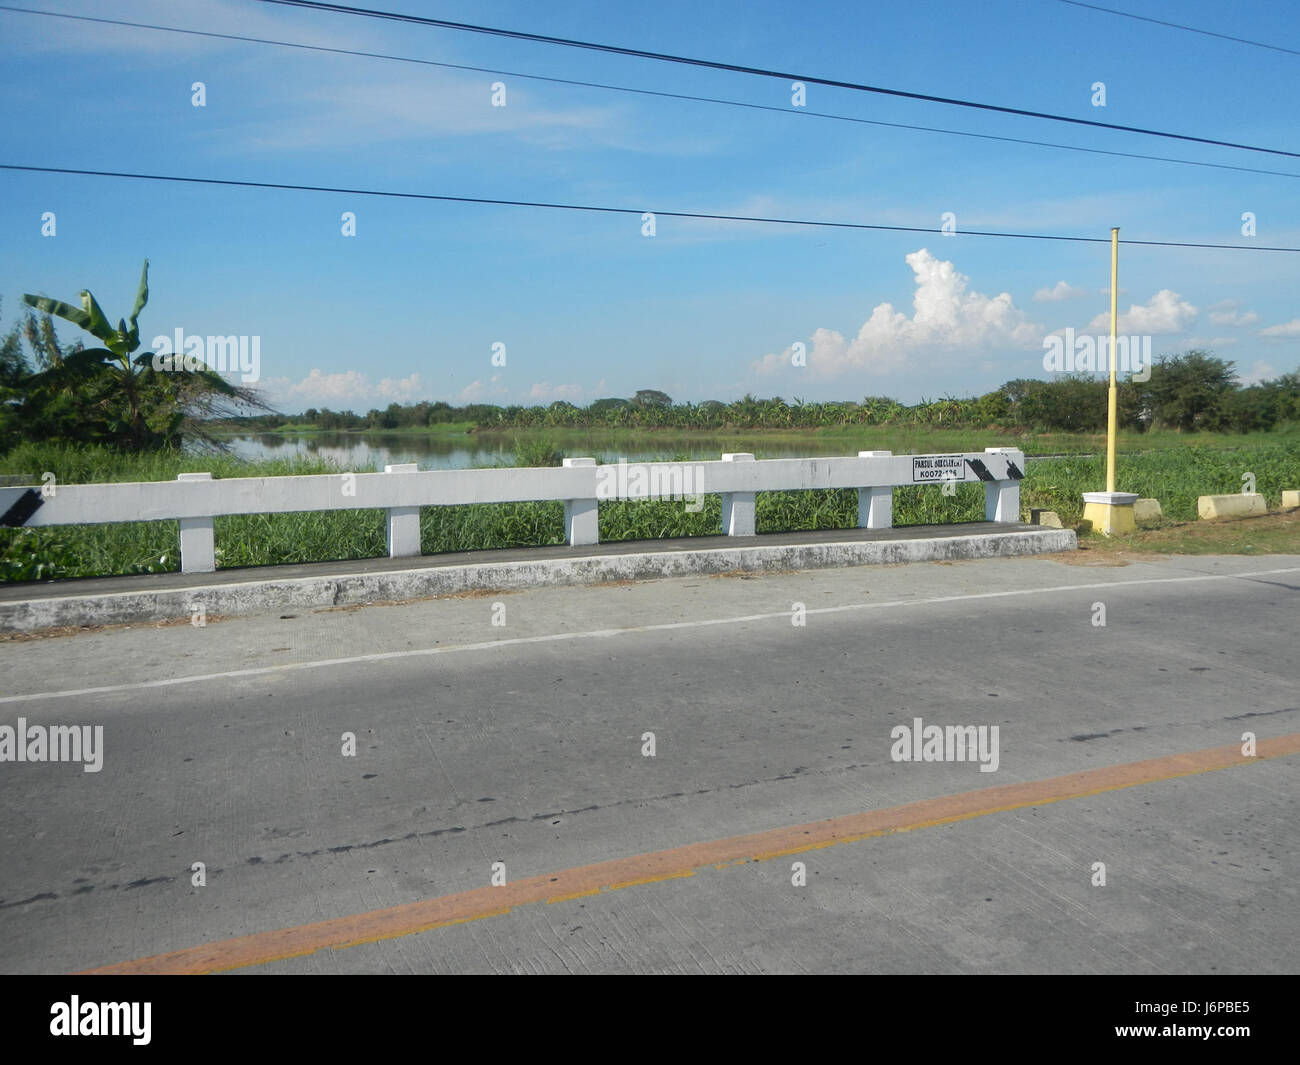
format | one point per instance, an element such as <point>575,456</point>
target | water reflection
<point>372,451</point>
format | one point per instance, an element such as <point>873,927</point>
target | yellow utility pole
<point>1112,397</point>
<point>1111,512</point>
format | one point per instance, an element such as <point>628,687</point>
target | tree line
<point>1189,392</point>
<point>115,395</point>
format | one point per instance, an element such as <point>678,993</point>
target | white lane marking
<point>486,645</point>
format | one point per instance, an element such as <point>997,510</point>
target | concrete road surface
<point>694,775</point>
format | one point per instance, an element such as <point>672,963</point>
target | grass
<point>846,440</point>
<point>1274,534</point>
<point>1175,476</point>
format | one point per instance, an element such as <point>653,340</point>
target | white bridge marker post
<point>738,507</point>
<point>403,522</point>
<point>876,502</point>
<point>581,516</point>
<point>198,542</point>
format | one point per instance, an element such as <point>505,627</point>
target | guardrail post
<point>198,542</point>
<point>738,507</point>
<point>1001,498</point>
<point>581,516</point>
<point>875,502</point>
<point>403,522</point>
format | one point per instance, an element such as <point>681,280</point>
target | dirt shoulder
<point>1277,533</point>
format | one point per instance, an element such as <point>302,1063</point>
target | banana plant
<point>119,343</point>
<point>140,408</point>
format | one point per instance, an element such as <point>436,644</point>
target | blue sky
<point>586,306</point>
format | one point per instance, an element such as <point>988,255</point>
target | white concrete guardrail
<point>194,499</point>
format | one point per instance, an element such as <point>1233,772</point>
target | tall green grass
<point>1175,476</point>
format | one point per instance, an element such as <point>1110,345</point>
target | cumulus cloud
<point>545,392</point>
<point>478,392</point>
<point>403,389</point>
<point>1286,329</point>
<point>1059,291</point>
<point>1165,312</point>
<point>1259,371</point>
<point>326,387</point>
<point>1233,318</point>
<point>353,389</point>
<point>350,388</point>
<point>946,315</point>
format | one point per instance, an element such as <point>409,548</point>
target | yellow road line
<point>680,862</point>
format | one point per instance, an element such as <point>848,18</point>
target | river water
<point>372,451</point>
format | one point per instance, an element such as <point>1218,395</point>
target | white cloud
<point>545,392</point>
<point>478,392</point>
<point>1233,318</point>
<point>946,316</point>
<point>217,16</point>
<point>400,106</point>
<point>403,389</point>
<point>348,389</point>
<point>1259,371</point>
<point>1207,343</point>
<point>1059,291</point>
<point>1286,329</point>
<point>350,385</point>
<point>1165,312</point>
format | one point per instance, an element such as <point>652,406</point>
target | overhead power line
<point>1181,26</point>
<point>567,42</point>
<point>704,216</point>
<point>795,112</point>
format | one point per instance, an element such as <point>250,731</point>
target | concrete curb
<point>28,615</point>
<point>1147,510</point>
<point>1236,505</point>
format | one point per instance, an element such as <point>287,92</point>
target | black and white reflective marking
<point>24,507</point>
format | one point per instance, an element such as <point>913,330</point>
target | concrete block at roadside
<point>1147,510</point>
<point>1290,499</point>
<point>1238,505</point>
<point>1049,519</point>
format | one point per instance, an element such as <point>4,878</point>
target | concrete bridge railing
<point>195,499</point>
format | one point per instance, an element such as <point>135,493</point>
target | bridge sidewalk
<point>31,606</point>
